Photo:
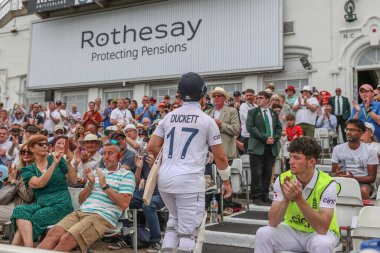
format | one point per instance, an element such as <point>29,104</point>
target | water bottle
<point>214,210</point>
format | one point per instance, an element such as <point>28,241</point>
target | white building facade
<point>142,50</point>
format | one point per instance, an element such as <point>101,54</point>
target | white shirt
<point>269,118</point>
<point>6,146</point>
<point>355,161</point>
<point>49,124</point>
<point>305,115</point>
<point>217,113</point>
<point>336,105</point>
<point>243,111</point>
<point>328,198</point>
<point>122,116</point>
<point>187,132</point>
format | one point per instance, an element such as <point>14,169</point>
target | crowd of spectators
<point>43,151</point>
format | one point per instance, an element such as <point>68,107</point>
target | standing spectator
<point>264,130</point>
<point>91,116</point>
<point>18,117</point>
<point>52,118</point>
<point>146,110</point>
<point>167,101</point>
<point>98,106</point>
<point>244,108</point>
<point>47,177</point>
<point>341,109</point>
<point>75,115</point>
<point>306,111</point>
<point>237,100</point>
<point>121,114</point>
<point>355,159</point>
<point>162,110</point>
<point>34,118</point>
<point>5,120</point>
<point>133,107</point>
<point>368,110</point>
<point>292,97</point>
<point>128,106</point>
<point>106,116</point>
<point>227,119</point>
<point>153,102</point>
<point>330,122</point>
<point>270,87</point>
<point>62,112</point>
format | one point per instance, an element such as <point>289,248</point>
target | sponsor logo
<point>329,201</point>
<point>297,219</point>
<point>217,137</point>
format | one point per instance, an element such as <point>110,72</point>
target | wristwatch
<point>106,187</point>
<point>369,110</point>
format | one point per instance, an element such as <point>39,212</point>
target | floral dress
<point>52,202</point>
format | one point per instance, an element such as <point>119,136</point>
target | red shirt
<point>97,117</point>
<point>291,132</point>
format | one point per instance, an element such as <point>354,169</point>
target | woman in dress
<point>48,177</point>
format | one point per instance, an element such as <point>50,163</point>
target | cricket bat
<point>151,182</point>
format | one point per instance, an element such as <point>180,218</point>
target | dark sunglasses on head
<point>41,144</point>
<point>26,152</point>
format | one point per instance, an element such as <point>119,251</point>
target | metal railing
<point>9,5</point>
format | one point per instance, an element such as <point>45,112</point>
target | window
<point>160,93</point>
<point>80,99</point>
<point>117,94</point>
<point>280,85</point>
<point>371,57</point>
<point>31,98</point>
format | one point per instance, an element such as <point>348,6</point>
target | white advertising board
<point>157,41</point>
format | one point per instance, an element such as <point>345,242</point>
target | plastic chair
<point>367,227</point>
<point>237,184</point>
<point>348,206</point>
<point>246,177</point>
<point>377,201</point>
<point>74,194</point>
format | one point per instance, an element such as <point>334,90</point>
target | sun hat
<point>90,137</point>
<point>220,90</point>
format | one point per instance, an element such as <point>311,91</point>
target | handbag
<point>7,194</point>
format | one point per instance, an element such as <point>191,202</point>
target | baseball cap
<point>109,129</point>
<point>370,126</point>
<point>366,87</point>
<point>237,94</point>
<point>58,127</point>
<point>153,99</point>
<point>58,102</point>
<point>129,127</point>
<point>162,104</point>
<point>117,134</point>
<point>33,129</point>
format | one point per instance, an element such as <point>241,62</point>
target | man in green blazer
<point>341,108</point>
<point>264,128</point>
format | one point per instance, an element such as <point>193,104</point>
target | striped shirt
<point>121,181</point>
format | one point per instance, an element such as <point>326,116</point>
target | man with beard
<point>355,159</point>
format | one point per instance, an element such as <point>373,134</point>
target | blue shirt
<point>146,114</point>
<point>326,124</point>
<point>363,116</point>
<point>107,121</point>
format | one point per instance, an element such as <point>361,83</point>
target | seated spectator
<point>107,194</point>
<point>355,159</point>
<point>87,155</point>
<point>92,129</point>
<point>110,130</point>
<point>300,218</point>
<point>370,138</point>
<point>143,135</point>
<point>330,122</point>
<point>134,144</point>
<point>24,194</point>
<point>292,130</point>
<point>177,105</point>
<point>79,133</point>
<point>144,164</point>
<point>127,160</point>
<point>147,123</point>
<point>47,177</point>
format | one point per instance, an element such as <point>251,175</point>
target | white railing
<point>9,5</point>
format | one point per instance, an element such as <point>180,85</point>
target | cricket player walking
<point>186,135</point>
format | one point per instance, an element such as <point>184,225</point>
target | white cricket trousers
<point>283,237</point>
<point>185,212</point>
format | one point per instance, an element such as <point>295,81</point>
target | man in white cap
<point>132,138</point>
<point>227,119</point>
<point>306,111</point>
<point>368,110</point>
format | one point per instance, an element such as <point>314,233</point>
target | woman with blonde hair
<point>48,177</point>
<point>24,194</point>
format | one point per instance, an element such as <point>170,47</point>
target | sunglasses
<point>112,142</point>
<point>218,96</point>
<point>41,144</point>
<point>59,132</point>
<point>26,152</point>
